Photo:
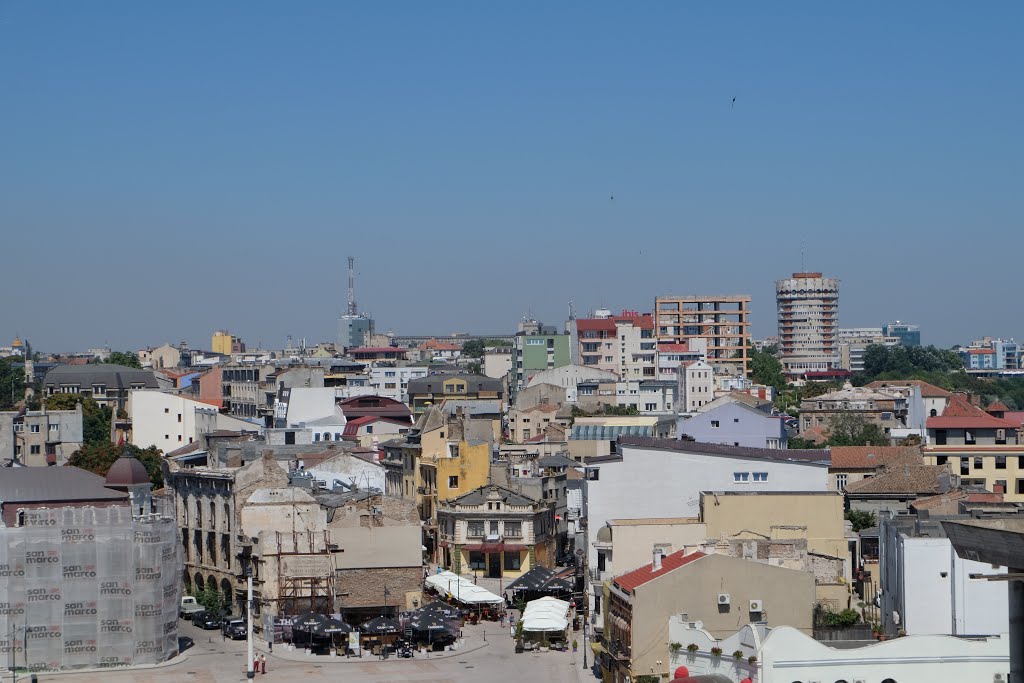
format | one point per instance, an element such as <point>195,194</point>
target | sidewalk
<point>174,661</point>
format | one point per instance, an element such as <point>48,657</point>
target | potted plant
<point>716,651</point>
<point>692,648</point>
<point>519,636</point>
<point>674,649</point>
<point>575,645</point>
<point>752,660</point>
<point>737,655</point>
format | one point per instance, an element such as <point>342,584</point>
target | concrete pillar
<point>1016,609</point>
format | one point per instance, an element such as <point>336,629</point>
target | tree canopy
<point>126,358</point>
<point>766,369</point>
<point>474,348</point>
<point>906,360</point>
<point>12,382</point>
<point>851,429</point>
<point>99,458</point>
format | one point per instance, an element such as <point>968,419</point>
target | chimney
<point>656,565</point>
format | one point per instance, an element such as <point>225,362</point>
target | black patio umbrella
<point>312,623</point>
<point>438,608</point>
<point>335,627</point>
<point>532,580</point>
<point>380,626</point>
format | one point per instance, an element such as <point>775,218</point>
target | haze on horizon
<point>168,170</point>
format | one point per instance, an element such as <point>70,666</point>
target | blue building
<point>909,335</point>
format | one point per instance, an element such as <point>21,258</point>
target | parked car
<point>234,629</point>
<point>189,607</point>
<point>208,621</point>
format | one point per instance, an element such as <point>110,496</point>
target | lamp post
<point>245,559</point>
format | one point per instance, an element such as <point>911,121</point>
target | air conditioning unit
<point>756,606</point>
<point>724,599</point>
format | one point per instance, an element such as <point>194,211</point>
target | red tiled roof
<point>997,407</point>
<point>595,324</point>
<point>673,348</point>
<point>960,414</point>
<point>1014,416</point>
<point>216,402</point>
<point>976,352</point>
<point>870,457</point>
<point>352,426</point>
<point>630,581</point>
<point>434,345</point>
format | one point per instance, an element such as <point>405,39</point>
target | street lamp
<point>245,558</point>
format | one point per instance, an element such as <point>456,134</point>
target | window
<point>714,423</point>
<point>477,560</point>
<point>34,450</point>
<point>760,476</point>
<point>735,419</point>
<point>514,529</point>
<point>841,481</point>
<point>453,482</point>
<point>54,428</point>
<point>594,474</point>
<point>940,437</point>
<point>535,342</point>
<point>965,466</point>
<point>475,528</point>
<point>179,417</point>
<point>1000,462</point>
<point>166,410</point>
<point>369,429</point>
<point>34,429</point>
<point>740,477</point>
<point>650,407</point>
<point>979,463</point>
<point>389,373</point>
<point>1020,487</point>
<point>941,459</point>
<point>493,527</point>
<point>1000,486</point>
<point>511,561</point>
<point>969,437</point>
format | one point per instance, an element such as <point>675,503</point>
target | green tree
<point>126,358</point>
<point>98,459</point>
<point>12,383</point>
<point>474,348</point>
<point>851,429</point>
<point>211,599</point>
<point>95,418</point>
<point>766,369</point>
<point>860,519</point>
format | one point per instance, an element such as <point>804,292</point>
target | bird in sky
<point>734,103</point>
<point>612,198</point>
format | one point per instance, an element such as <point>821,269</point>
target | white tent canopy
<point>546,614</point>
<point>463,590</point>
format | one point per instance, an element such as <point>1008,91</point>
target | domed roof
<point>17,343</point>
<point>127,471</point>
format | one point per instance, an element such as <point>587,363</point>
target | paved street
<point>212,660</point>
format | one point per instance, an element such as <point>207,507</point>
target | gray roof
<point>434,384</point>
<point>783,454</point>
<point>54,485</point>
<point>557,460</point>
<point>472,407</point>
<point>113,376</point>
<point>609,432</point>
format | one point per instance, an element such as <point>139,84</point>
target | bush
<point>737,655</point>
<point>692,647</point>
<point>844,619</point>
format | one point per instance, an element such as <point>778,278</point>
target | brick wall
<point>365,587</point>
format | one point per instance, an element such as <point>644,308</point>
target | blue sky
<point>168,169</point>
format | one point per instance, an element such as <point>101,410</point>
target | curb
<point>174,661</point>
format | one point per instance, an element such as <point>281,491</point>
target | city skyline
<point>485,163</point>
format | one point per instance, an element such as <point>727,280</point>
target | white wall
<point>349,469</point>
<point>156,421</point>
<point>568,376</point>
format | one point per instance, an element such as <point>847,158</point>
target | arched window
<point>889,680</point>
<point>933,413</point>
<point>327,436</point>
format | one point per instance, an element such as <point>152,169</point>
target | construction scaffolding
<point>88,587</point>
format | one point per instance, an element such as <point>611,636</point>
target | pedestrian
<point>255,663</point>
<point>263,664</point>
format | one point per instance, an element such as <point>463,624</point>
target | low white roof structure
<point>461,589</point>
<point>546,614</point>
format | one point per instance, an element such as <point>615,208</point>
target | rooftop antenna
<point>802,255</point>
<point>353,309</point>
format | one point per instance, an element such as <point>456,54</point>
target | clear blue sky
<point>170,168</point>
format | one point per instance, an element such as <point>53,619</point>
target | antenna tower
<point>353,309</point>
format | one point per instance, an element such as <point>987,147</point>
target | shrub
<point>716,651</point>
<point>737,655</point>
<point>692,647</point>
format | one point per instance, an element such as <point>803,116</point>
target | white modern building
<point>927,589</point>
<point>170,422</point>
<point>696,386</point>
<point>808,306</point>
